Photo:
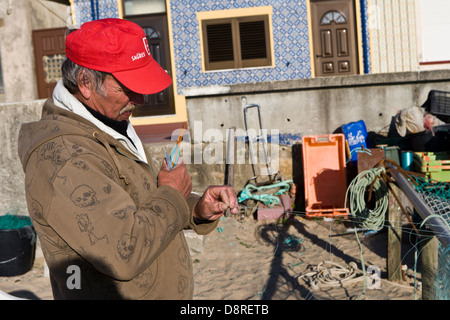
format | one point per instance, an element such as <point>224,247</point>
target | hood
<point>63,108</point>
<point>54,122</point>
<point>66,101</point>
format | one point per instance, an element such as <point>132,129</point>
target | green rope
<point>372,219</point>
<point>253,192</point>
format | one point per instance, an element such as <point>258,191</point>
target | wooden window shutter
<point>236,43</point>
<point>219,47</point>
<point>220,42</point>
<point>253,40</point>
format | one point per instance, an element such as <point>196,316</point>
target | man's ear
<point>85,84</point>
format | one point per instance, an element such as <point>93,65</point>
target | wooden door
<point>334,37</point>
<point>49,54</point>
<point>156,30</point>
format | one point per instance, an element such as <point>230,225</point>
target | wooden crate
<point>435,165</point>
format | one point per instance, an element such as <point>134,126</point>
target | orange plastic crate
<point>324,163</point>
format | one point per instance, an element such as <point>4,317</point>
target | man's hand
<point>177,178</point>
<point>214,202</point>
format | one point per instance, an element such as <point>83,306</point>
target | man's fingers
<point>226,194</point>
<point>228,198</point>
<point>215,201</point>
<point>220,207</point>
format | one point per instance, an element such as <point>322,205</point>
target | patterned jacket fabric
<point>97,210</point>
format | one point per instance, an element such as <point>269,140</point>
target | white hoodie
<point>64,99</point>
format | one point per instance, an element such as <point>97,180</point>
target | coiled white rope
<point>328,273</point>
<point>356,192</point>
<point>331,274</point>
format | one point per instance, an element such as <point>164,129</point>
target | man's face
<point>114,100</point>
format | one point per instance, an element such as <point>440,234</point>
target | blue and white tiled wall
<point>290,37</point>
<point>380,30</point>
<point>88,10</point>
<point>365,36</point>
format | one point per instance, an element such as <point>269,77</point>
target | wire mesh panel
<point>437,196</point>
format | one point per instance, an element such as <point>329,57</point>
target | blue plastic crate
<point>356,135</point>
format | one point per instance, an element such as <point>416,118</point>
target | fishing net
<point>436,195</point>
<point>443,274</point>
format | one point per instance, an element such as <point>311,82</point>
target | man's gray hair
<point>70,71</point>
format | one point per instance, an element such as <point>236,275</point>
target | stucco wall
<point>315,106</point>
<point>12,188</point>
<point>303,107</point>
<point>16,44</point>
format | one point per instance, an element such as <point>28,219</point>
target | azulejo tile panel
<point>88,10</point>
<point>365,36</point>
<point>290,37</point>
<point>380,33</point>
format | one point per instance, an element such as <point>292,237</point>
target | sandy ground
<point>264,260</point>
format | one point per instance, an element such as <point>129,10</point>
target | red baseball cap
<point>119,47</point>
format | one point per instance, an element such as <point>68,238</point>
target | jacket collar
<point>65,100</point>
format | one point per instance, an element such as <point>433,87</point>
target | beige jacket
<point>97,207</point>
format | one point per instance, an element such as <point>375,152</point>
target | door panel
<point>327,48</point>
<point>342,42</point>
<point>156,30</point>
<point>334,37</point>
<point>49,54</point>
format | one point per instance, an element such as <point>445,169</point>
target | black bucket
<point>17,245</point>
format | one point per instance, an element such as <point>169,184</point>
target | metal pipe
<point>435,224</point>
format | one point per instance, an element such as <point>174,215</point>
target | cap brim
<point>149,79</point>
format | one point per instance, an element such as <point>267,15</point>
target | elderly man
<point>109,224</point>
